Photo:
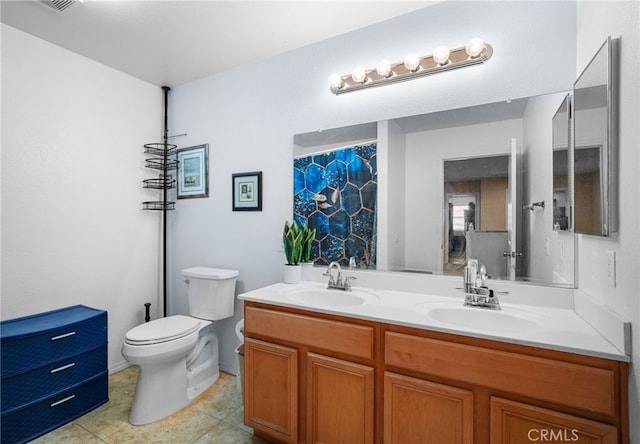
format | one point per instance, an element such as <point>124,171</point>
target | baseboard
<point>118,366</point>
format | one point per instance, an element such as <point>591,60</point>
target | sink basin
<point>330,298</point>
<point>499,321</point>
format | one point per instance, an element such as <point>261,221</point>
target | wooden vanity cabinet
<point>420,411</point>
<point>271,377</point>
<point>317,378</point>
<point>520,394</point>
<point>308,378</point>
<point>339,401</point>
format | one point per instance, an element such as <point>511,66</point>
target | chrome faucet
<point>476,293</point>
<point>337,282</point>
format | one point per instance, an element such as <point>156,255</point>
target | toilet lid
<point>209,273</point>
<point>162,330</point>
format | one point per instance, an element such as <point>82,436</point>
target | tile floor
<point>215,417</point>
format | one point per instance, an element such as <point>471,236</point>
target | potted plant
<point>292,243</point>
<point>308,235</point>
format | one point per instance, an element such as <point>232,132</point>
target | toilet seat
<point>162,330</point>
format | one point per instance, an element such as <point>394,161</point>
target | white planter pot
<point>292,274</point>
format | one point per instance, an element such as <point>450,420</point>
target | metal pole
<point>166,90</point>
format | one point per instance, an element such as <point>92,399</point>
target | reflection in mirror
<point>561,190</point>
<point>595,131</point>
<point>417,232</point>
<point>475,227</point>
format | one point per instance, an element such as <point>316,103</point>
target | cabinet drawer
<point>24,424</point>
<point>518,423</point>
<point>41,382</point>
<point>34,341</point>
<point>335,336</point>
<point>560,382</point>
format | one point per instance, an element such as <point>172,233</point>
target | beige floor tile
<point>185,426</point>
<point>70,433</point>
<point>215,417</point>
<point>222,399</point>
<point>237,419</point>
<point>130,435</point>
<point>108,418</point>
<point>225,433</point>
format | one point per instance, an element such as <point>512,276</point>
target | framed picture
<point>247,191</point>
<point>193,172</point>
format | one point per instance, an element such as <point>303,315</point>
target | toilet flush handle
<point>186,281</point>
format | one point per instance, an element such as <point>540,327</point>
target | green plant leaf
<point>292,243</point>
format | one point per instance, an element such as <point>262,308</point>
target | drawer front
<point>335,336</point>
<point>516,423</point>
<point>41,382</point>
<point>27,353</point>
<point>560,382</point>
<point>22,425</point>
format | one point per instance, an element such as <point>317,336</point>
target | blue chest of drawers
<point>53,369</point>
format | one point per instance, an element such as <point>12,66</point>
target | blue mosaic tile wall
<point>336,193</point>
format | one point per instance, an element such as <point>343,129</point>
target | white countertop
<point>556,327</point>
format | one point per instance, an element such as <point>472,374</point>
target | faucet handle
<point>331,278</point>
<point>347,282</point>
<point>483,275</point>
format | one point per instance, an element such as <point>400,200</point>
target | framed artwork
<point>193,172</point>
<point>247,191</point>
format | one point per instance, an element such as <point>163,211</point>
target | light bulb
<point>383,68</point>
<point>358,75</point>
<point>474,47</point>
<point>335,81</point>
<point>441,55</point>
<point>412,62</point>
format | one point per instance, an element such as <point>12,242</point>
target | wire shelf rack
<point>161,183</point>
<point>158,149</point>
<point>158,205</point>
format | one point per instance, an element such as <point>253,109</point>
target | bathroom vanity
<point>384,369</point>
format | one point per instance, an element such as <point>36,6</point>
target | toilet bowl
<point>178,355</point>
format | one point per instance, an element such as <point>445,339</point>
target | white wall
<point>249,115</point>
<point>596,21</point>
<point>73,231</point>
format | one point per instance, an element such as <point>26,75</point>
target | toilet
<point>178,355</point>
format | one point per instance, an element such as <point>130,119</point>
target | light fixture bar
<point>443,59</point>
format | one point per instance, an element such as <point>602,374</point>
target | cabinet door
<point>271,396</point>
<point>419,411</point>
<point>339,401</point>
<point>515,423</point>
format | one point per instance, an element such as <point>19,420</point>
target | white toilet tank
<point>211,292</point>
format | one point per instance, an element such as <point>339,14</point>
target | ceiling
<point>174,42</point>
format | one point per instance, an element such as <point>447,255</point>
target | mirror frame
<point>609,155</point>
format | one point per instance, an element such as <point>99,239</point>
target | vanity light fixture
<point>443,59</point>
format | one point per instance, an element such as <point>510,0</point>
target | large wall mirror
<point>595,144</point>
<point>456,184</point>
